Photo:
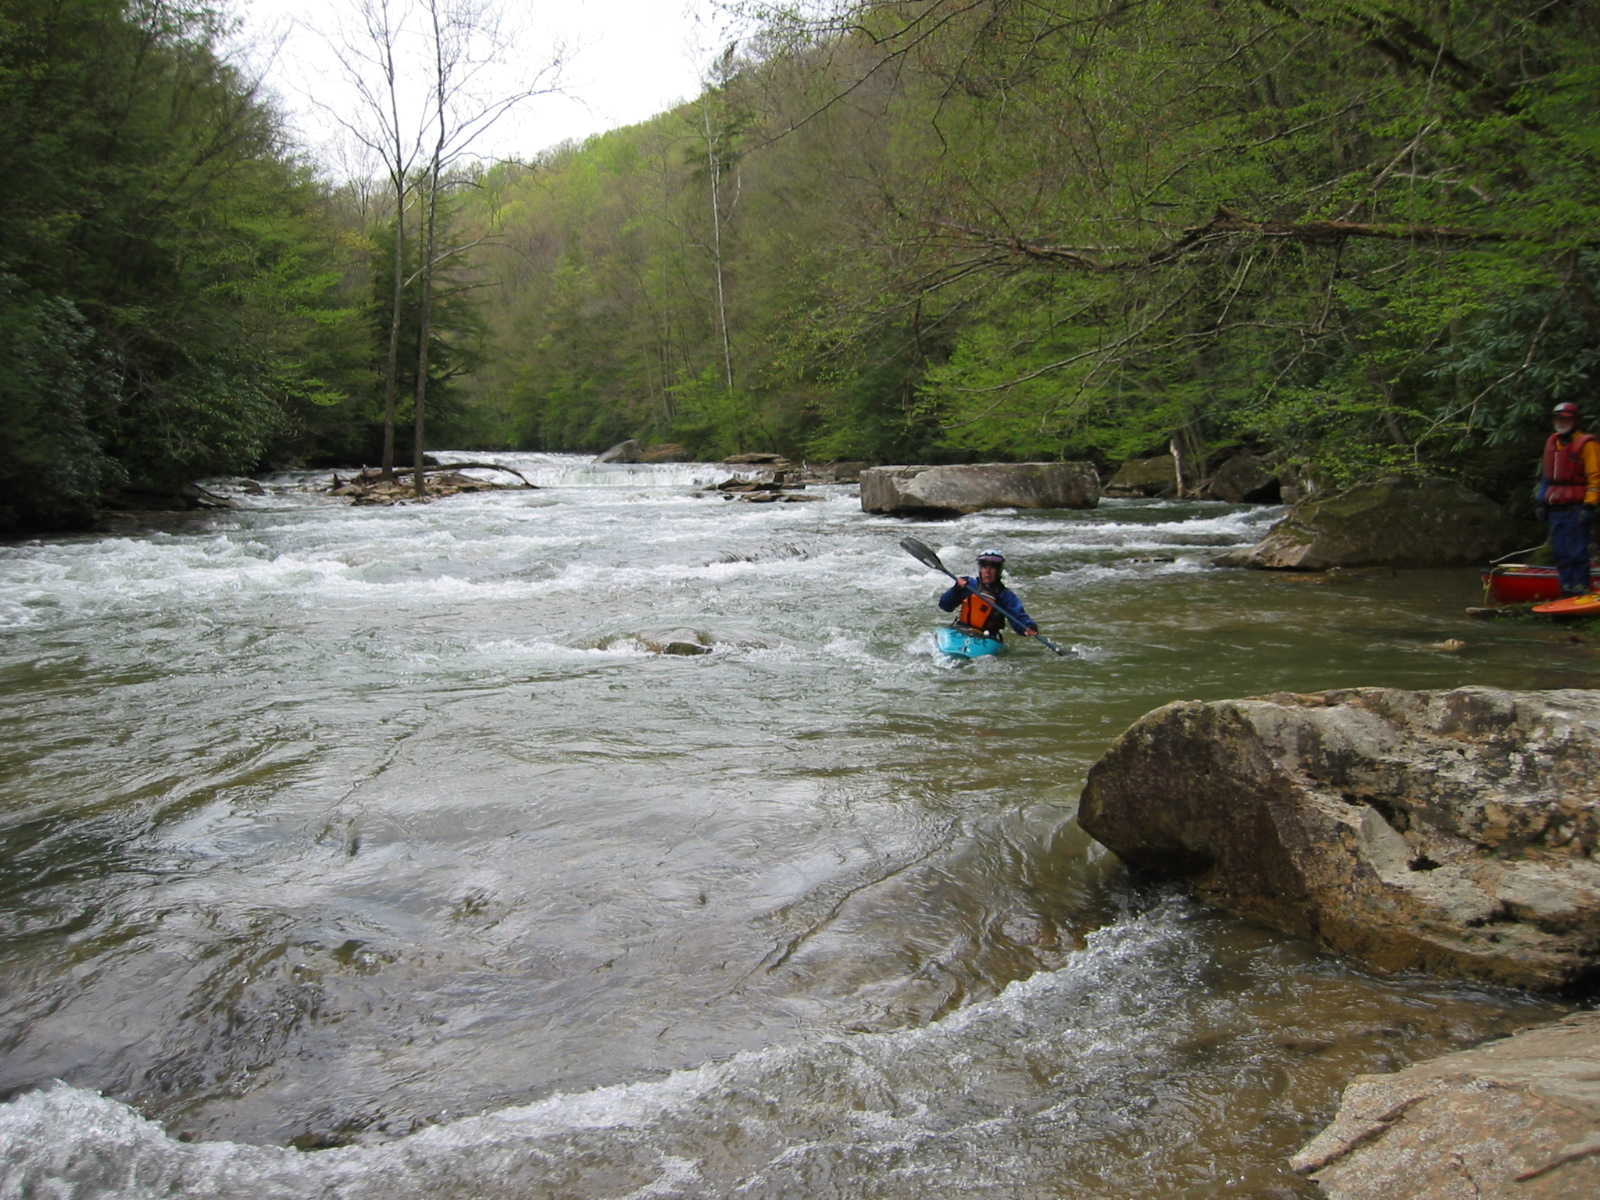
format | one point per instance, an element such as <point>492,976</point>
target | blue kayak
<point>966,645</point>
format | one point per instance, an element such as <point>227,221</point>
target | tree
<point>158,295</point>
<point>424,70</point>
<point>1244,204</point>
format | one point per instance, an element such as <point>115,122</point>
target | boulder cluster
<point>1451,832</point>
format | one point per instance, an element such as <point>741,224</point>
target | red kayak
<point>1522,583</point>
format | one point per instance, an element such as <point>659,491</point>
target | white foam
<point>869,1093</point>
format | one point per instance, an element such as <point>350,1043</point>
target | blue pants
<point>1569,539</point>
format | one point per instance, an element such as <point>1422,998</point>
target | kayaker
<point>986,604</point>
<point>1568,493</point>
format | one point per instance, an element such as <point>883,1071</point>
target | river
<point>373,852</point>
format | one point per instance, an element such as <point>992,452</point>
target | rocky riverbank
<point>1450,832</point>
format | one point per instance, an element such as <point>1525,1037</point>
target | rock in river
<point>1392,523</point>
<point>1453,832</point>
<point>1518,1117</point>
<point>682,641</point>
<point>954,490</point>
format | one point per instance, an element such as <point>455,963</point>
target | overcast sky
<point>627,60</point>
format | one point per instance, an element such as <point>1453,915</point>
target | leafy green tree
<point>158,249</point>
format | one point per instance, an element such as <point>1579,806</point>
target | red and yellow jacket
<point>1570,469</point>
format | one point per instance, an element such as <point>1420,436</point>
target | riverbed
<point>375,852</point>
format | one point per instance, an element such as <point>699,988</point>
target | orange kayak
<point>1571,606</point>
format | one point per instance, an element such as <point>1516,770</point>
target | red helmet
<point>1565,409</point>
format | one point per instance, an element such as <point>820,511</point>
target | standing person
<point>987,603</point>
<point>1569,491</point>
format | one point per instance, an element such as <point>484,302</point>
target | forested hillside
<point>171,280</point>
<point>1358,236</point>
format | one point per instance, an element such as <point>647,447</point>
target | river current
<point>352,852</point>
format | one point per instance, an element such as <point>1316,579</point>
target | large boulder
<point>954,490</point>
<point>622,452</point>
<point>1393,523</point>
<point>1453,832</point>
<point>1245,478</point>
<point>1517,1117</point>
<point>1154,476</point>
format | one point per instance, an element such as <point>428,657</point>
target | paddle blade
<point>923,553</point>
<point>1055,649</point>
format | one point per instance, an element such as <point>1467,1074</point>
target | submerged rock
<point>951,491</point>
<point>1393,523</point>
<point>667,641</point>
<point>1517,1117</point>
<point>1453,832</point>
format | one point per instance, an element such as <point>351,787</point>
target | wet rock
<point>668,641</point>
<point>370,488</point>
<point>1395,522</point>
<point>1153,476</point>
<point>1453,832</point>
<point>954,490</point>
<point>1245,478</point>
<point>836,472</point>
<point>622,452</point>
<point>1517,1117</point>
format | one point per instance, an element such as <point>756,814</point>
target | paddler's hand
<point>1030,633</point>
<point>964,582</point>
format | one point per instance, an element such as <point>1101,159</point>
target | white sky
<point>627,60</point>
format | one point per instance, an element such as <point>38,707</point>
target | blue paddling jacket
<point>987,612</point>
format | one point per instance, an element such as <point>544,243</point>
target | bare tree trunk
<point>1186,461</point>
<point>428,236</point>
<point>391,358</point>
<point>425,324</point>
<point>370,65</point>
<point>714,169</point>
<point>465,37</point>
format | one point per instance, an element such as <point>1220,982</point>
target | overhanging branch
<point>1225,225</point>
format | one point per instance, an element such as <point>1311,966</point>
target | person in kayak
<point>1568,493</point>
<point>986,604</point>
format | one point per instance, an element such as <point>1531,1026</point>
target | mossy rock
<point>1391,523</point>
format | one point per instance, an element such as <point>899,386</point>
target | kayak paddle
<point>928,557</point>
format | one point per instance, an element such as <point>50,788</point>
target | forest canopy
<point>1358,238</point>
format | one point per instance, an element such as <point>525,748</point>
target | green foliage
<point>52,390</point>
<point>1357,237</point>
<point>171,299</point>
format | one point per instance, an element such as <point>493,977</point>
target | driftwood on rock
<point>777,489</point>
<point>371,474</point>
<point>371,486</point>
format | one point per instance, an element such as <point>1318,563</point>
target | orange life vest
<point>976,612</point>
<point>1565,480</point>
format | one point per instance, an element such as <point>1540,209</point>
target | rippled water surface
<point>386,834</point>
